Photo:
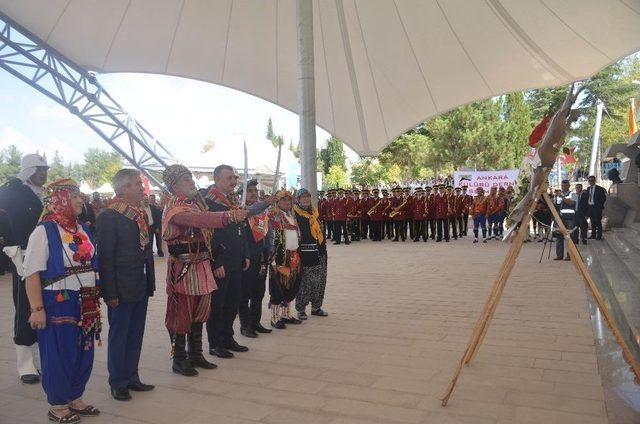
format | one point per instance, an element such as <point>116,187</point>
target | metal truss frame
<point>30,59</point>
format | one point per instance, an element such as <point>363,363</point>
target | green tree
<point>10,159</point>
<point>100,166</point>
<point>294,149</point>
<point>410,152</point>
<point>393,174</point>
<point>517,114</point>
<point>57,169</point>
<point>277,142</point>
<point>76,171</point>
<point>335,178</point>
<point>368,172</point>
<point>208,146</point>
<point>333,154</point>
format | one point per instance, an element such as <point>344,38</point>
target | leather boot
<point>276,320</point>
<point>181,364</point>
<point>195,348</point>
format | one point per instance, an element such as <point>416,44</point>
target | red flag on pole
<point>539,131</point>
<point>147,187</point>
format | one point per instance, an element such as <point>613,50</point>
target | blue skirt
<point>65,355</point>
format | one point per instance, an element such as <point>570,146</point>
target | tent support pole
<point>306,96</point>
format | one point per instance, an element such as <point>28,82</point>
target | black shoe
<point>248,332</point>
<point>183,367</point>
<point>292,320</point>
<point>161,255</point>
<point>260,329</point>
<point>396,240</point>
<point>319,312</point>
<point>558,258</point>
<point>584,241</point>
<point>30,378</point>
<point>140,387</point>
<point>221,352</point>
<point>200,362</point>
<point>302,315</point>
<point>336,242</point>
<point>347,242</point>
<point>234,346</point>
<point>280,325</point>
<point>592,237</point>
<point>121,394</point>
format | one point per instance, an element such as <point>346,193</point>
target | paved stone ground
<point>401,314</point>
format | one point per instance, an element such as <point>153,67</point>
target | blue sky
<point>181,113</point>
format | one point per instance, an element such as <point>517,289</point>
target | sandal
<point>70,418</point>
<point>88,411</point>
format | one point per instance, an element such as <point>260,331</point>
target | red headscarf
<point>57,204</point>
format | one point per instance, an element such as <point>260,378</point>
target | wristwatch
<point>37,308</point>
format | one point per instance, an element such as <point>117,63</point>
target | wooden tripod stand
<point>482,325</point>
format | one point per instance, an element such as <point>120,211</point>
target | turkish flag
<point>147,187</point>
<point>539,131</point>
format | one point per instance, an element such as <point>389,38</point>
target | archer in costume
<point>187,229</point>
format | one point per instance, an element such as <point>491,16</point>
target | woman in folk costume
<point>313,253</point>
<point>64,292</point>
<point>187,228</point>
<point>285,266</point>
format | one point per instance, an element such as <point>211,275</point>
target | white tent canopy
<point>105,188</point>
<point>381,66</point>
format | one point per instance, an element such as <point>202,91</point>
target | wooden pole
<point>482,325</point>
<point>576,258</point>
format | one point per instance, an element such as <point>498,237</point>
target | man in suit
<point>228,266</point>
<point>21,198</point>
<point>128,279</point>
<point>596,197</point>
<point>5,231</point>
<point>155,228</point>
<point>87,217</point>
<point>581,212</point>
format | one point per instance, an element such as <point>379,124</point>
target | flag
<point>147,188</point>
<point>633,128</point>
<point>539,131</point>
<point>567,155</point>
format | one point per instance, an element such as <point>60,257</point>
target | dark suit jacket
<point>599,197</point>
<point>126,272</point>
<point>156,214</point>
<point>88,216</point>
<point>23,209</point>
<point>232,239</point>
<point>583,204</point>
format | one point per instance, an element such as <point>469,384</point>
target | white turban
<point>29,165</point>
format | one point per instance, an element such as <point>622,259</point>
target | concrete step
<point>624,284</point>
<point>626,245</point>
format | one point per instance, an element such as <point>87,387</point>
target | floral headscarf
<point>57,204</point>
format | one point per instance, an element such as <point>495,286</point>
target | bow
<point>246,174</point>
